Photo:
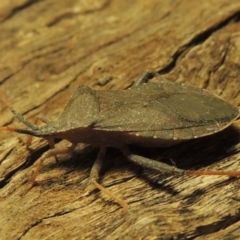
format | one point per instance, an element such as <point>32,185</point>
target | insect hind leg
<point>154,165</point>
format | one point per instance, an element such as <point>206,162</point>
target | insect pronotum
<point>146,114</point>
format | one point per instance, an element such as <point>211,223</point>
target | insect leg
<point>96,168</point>
<point>52,146</point>
<point>49,153</point>
<point>94,175</point>
<point>154,165</point>
<point>144,77</point>
<point>44,119</point>
<point>165,168</point>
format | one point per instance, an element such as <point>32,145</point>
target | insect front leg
<point>50,153</point>
<point>93,181</point>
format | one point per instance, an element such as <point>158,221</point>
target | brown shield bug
<point>149,115</point>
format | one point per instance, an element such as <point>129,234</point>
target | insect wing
<point>164,110</point>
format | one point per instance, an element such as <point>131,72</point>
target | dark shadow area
<point>196,153</point>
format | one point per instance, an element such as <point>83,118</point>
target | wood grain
<point>48,48</point>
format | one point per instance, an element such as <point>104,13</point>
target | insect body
<point>148,115</point>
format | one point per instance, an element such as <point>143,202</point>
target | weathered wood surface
<point>48,48</point>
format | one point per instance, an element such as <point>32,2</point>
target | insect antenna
<point>20,117</point>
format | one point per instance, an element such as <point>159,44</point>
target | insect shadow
<point>193,154</point>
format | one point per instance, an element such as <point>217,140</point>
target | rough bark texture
<point>50,47</point>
